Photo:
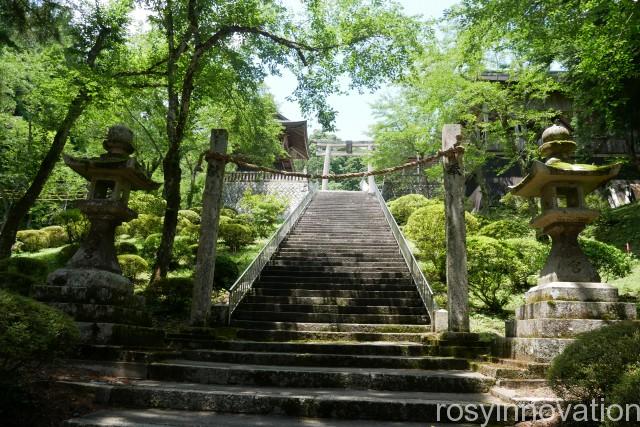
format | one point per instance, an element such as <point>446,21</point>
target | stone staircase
<point>334,329</point>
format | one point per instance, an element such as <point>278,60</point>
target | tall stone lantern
<point>569,298</point>
<point>91,287</point>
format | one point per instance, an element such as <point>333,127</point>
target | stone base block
<point>119,334</point>
<point>572,291</point>
<point>535,349</point>
<point>89,278</point>
<point>103,313</point>
<point>87,295</point>
<point>553,328</point>
<point>577,310</point>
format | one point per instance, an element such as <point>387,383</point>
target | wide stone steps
<point>332,300</point>
<point>279,335</point>
<point>329,279</point>
<point>290,375</point>
<point>336,271</point>
<point>358,253</point>
<point>298,402</point>
<point>330,327</point>
<point>334,309</point>
<point>329,317</point>
<point>401,286</point>
<point>328,293</point>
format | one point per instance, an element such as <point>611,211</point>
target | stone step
<point>329,293</point>
<point>340,252</point>
<point>308,308</point>
<point>339,301</point>
<point>264,323</point>
<point>356,241</point>
<point>330,279</point>
<point>103,313</point>
<point>271,316</point>
<point>168,418</point>
<point>518,384</point>
<point>322,263</point>
<point>121,353</point>
<point>315,403</point>
<point>339,286</point>
<point>500,371</point>
<point>276,335</point>
<point>336,271</point>
<point>323,245</point>
<point>207,369</point>
<point>577,310</point>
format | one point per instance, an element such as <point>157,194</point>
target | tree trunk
<point>19,210</point>
<point>172,176</point>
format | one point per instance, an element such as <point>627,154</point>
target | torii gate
<point>337,148</point>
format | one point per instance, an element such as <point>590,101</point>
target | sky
<point>355,114</point>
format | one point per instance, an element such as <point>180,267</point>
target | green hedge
<point>402,207</point>
<point>133,267</point>
<point>236,236</point>
<point>170,297</point>
<point>610,261</point>
<point>31,332</point>
<point>32,240</point>
<point>57,235</point>
<point>507,229</point>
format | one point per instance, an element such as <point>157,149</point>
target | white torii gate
<point>337,148</point>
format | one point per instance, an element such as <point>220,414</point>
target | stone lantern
<point>91,287</point>
<point>569,298</point>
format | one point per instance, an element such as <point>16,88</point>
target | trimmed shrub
<point>227,211</point>
<point>182,254</point>
<point>133,267</point>
<point>426,227</point>
<point>32,267</point>
<point>490,265</point>
<point>189,215</point>
<point>226,272</point>
<point>531,255</point>
<point>16,282</point>
<point>33,240</point>
<point>507,229</point>
<point>75,224</point>
<point>57,235</point>
<point>595,363</point>
<point>147,204</point>
<point>402,207</point>
<point>144,225</point>
<point>265,210</point>
<point>126,248</point>
<point>170,297</point>
<point>151,245</point>
<point>625,393</point>
<point>610,261</point>
<point>32,332</point>
<point>236,236</point>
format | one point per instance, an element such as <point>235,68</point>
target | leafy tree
<point>595,41</point>
<point>78,73</point>
<point>207,47</point>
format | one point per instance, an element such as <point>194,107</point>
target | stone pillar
<point>371,179</point>
<point>456,267</point>
<point>206,256</point>
<point>326,168</point>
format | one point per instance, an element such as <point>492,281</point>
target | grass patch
<point>629,285</point>
<point>483,324</point>
<point>618,227</point>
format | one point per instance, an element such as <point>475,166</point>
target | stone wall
<point>291,189</point>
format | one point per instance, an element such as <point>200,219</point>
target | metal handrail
<point>425,291</point>
<point>252,272</point>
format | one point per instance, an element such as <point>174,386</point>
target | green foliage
<point>16,282</point>
<point>182,254</point>
<point>35,268</point>
<point>610,261</point>
<point>170,297</point>
<point>144,225</point>
<point>618,227</point>
<point>592,366</point>
<point>226,272</point>
<point>133,267</point>
<point>228,212</point>
<point>531,256</point>
<point>32,332</point>
<point>426,227</point>
<point>125,247</point>
<point>33,240</point>
<point>189,215</point>
<point>65,254</point>
<point>57,235</point>
<point>625,393</point>
<point>236,236</point>
<point>490,265</point>
<point>402,207</point>
<point>75,224</point>
<point>507,229</point>
<point>150,246</point>
<point>265,210</point>
<point>147,204</point>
